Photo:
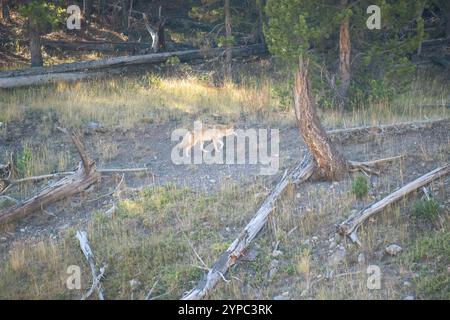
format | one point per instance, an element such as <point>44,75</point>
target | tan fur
<point>215,134</point>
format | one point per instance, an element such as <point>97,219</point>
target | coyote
<point>214,134</point>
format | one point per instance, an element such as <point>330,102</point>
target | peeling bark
<point>330,163</point>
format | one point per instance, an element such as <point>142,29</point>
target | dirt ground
<point>150,146</point>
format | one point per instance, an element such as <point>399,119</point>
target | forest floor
<point>152,236</point>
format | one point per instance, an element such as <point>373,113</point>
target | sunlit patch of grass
<point>150,98</point>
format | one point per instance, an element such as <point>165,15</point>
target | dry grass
<point>133,100</point>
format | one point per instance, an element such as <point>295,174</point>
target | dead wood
<point>350,226</point>
<point>96,278</point>
<point>329,162</point>
<point>299,174</point>
<point>78,70</point>
<point>85,176</point>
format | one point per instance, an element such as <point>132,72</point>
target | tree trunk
<point>344,55</point>
<point>102,10</point>
<point>4,12</point>
<point>124,15</point>
<point>260,5</point>
<point>35,49</point>
<point>330,163</point>
<point>228,53</point>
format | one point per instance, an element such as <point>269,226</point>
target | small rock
<point>272,273</point>
<point>3,239</point>
<point>407,284</point>
<point>298,195</point>
<point>22,230</point>
<point>393,249</point>
<point>280,297</point>
<point>408,298</point>
<point>315,238</point>
<point>227,229</point>
<point>338,256</point>
<point>286,293</point>
<point>277,253</point>
<point>93,125</point>
<point>212,181</point>
<point>273,264</point>
<point>361,258</point>
<point>134,283</point>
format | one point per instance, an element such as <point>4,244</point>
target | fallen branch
<point>11,183</point>
<point>371,166</point>
<point>299,174</point>
<point>87,251</point>
<point>85,176</point>
<point>350,226</point>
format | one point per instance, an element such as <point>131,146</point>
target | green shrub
<point>24,162</point>
<point>426,209</point>
<point>360,186</point>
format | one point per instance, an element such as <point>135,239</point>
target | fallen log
<point>104,46</point>
<point>365,133</point>
<point>22,81</point>
<point>85,176</point>
<point>350,226</point>
<point>115,62</point>
<point>299,174</point>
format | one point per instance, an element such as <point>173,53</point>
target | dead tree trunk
<point>102,10</point>
<point>228,52</point>
<point>85,176</point>
<point>344,55</point>
<point>330,163</point>
<point>124,15</point>
<point>4,12</point>
<point>36,49</point>
<point>156,32</point>
<point>87,11</point>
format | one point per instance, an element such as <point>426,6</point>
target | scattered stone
<point>409,298</point>
<point>274,263</point>
<point>22,230</point>
<point>361,258</point>
<point>315,238</point>
<point>407,284</point>
<point>92,125</point>
<point>134,284</point>
<point>277,253</point>
<point>212,181</point>
<point>272,273</point>
<point>3,239</point>
<point>280,297</point>
<point>332,243</point>
<point>338,256</point>
<point>393,249</point>
<point>298,195</point>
